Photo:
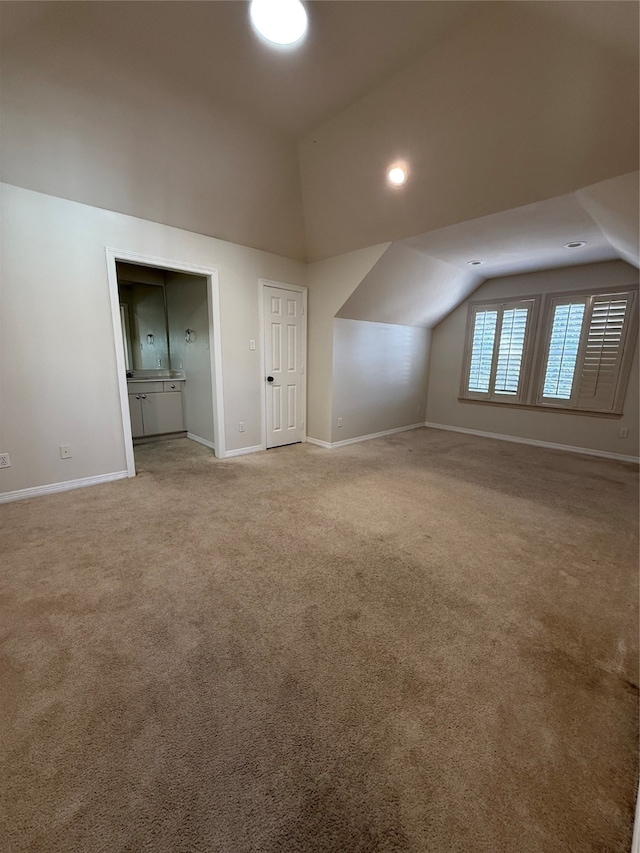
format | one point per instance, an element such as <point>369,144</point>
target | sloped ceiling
<point>418,281</point>
<point>409,288</point>
<point>210,48</point>
<point>351,47</point>
<point>474,149</point>
<point>613,205</point>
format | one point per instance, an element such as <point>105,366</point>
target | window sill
<point>558,409</point>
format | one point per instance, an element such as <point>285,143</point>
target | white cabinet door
<point>135,413</point>
<point>162,412</point>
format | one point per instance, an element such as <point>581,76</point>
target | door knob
<point>269,378</point>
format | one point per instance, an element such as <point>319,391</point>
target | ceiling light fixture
<point>282,22</point>
<point>474,263</point>
<point>397,175</point>
<point>577,244</point>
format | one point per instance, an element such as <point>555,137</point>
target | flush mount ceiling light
<point>397,175</point>
<point>474,263</point>
<point>282,22</point>
<point>577,244</point>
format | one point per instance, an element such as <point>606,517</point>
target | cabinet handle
<point>144,396</point>
<point>137,396</point>
<point>173,386</point>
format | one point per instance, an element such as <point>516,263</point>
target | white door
<point>284,365</point>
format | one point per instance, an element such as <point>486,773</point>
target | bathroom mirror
<point>143,315</point>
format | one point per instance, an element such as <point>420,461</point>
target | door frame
<point>297,288</point>
<point>215,344</point>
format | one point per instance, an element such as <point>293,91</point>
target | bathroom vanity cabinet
<point>155,407</point>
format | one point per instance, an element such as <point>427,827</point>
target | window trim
<point>536,349</point>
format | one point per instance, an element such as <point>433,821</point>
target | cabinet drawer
<point>143,387</point>
<point>172,386</point>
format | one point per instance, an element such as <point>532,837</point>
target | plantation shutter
<point>564,345</point>
<point>599,370</point>
<point>482,346</point>
<point>499,335</point>
<point>511,351</point>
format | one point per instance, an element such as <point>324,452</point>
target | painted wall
<point>447,351</point>
<point>380,375</point>
<point>87,128</point>
<point>330,283</point>
<point>58,368</point>
<point>187,308</point>
<point>514,109</point>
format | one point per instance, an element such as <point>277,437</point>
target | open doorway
<point>167,339</point>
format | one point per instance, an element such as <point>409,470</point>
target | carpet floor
<point>426,643</point>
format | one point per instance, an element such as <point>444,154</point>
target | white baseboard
<point>66,486</point>
<point>332,445</point>
<point>200,440</point>
<point>550,445</point>
<point>319,442</point>
<point>242,451</point>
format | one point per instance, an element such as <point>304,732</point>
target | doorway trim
<point>215,344</point>
<point>262,283</point>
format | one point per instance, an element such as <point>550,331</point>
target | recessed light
<point>474,263</point>
<point>281,22</point>
<point>397,175</point>
<point>577,244</point>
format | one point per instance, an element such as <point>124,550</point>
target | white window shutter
<point>482,348</point>
<point>604,346</point>
<point>511,351</point>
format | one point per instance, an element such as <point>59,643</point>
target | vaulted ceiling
<point>506,128</point>
<point>351,46</point>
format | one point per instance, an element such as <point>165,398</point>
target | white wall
<point>447,352</point>
<point>511,111</point>
<point>380,375</point>
<point>86,127</point>
<point>187,308</point>
<point>330,282</point>
<point>58,368</point>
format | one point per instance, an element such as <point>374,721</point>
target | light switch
<point>252,344</point>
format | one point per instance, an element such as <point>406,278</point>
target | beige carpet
<point>421,643</point>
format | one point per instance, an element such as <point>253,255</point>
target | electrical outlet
<point>339,422</point>
<point>5,462</point>
<point>65,451</point>
<point>624,432</point>
<point>241,426</point>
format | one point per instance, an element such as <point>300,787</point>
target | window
<point>499,341</point>
<point>562,351</point>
